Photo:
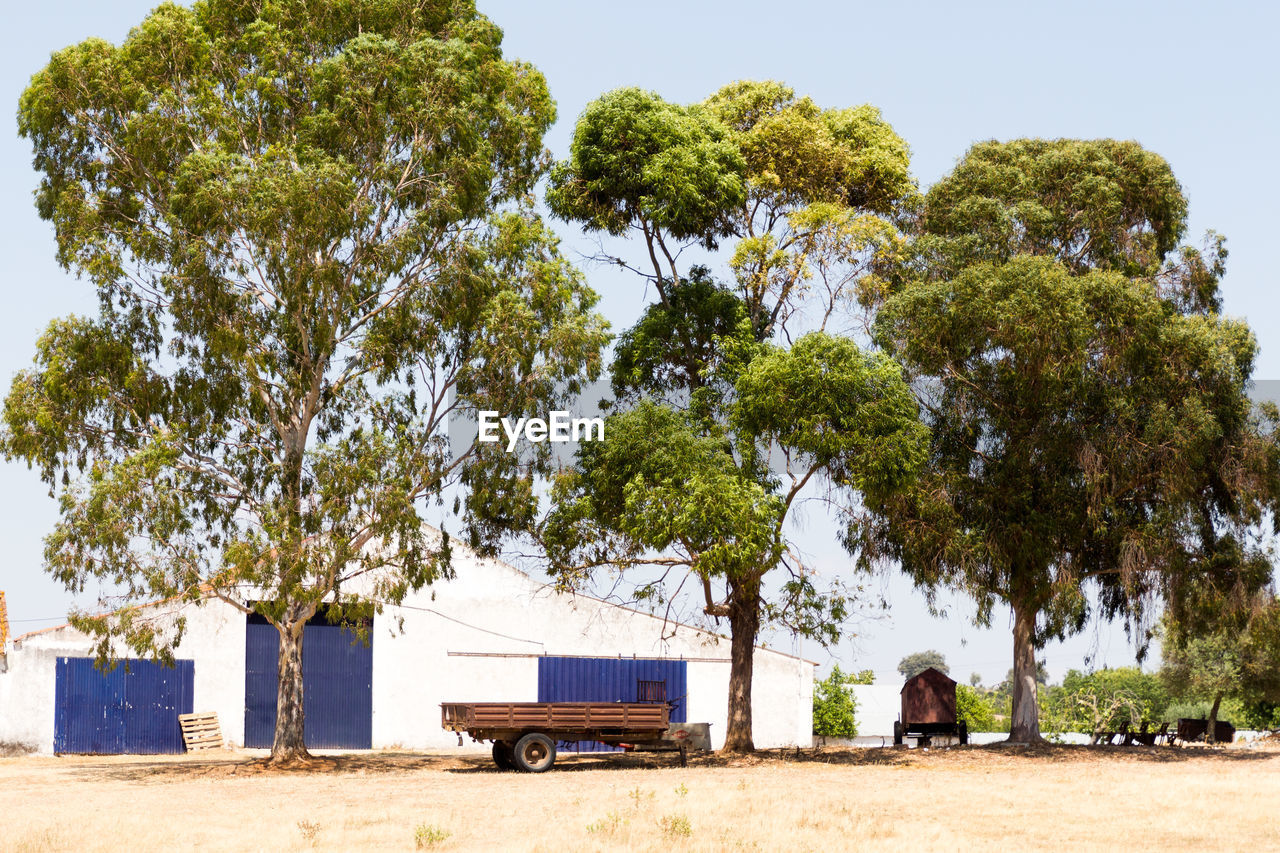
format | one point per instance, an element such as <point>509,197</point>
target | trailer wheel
<point>535,753</point>
<point>897,733</point>
<point>503,755</point>
<point>964,733</point>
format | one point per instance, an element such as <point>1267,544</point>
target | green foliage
<point>796,151</point>
<point>307,224</point>
<point>835,710</point>
<point>666,480</point>
<point>676,826</point>
<point>607,825</point>
<point>916,663</point>
<point>1107,699</point>
<point>636,158</point>
<point>1090,426</point>
<point>425,836</point>
<point>974,709</point>
<point>1236,658</point>
<point>679,344</point>
<point>1091,204</point>
<point>638,795</point>
<point>1260,715</point>
<point>717,380</point>
<point>1229,709</point>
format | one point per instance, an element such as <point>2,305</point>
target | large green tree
<point>307,226</point>
<point>1092,440</point>
<point>734,399</point>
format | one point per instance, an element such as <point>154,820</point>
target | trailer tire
<point>503,755</point>
<point>535,753</point>
<point>897,733</point>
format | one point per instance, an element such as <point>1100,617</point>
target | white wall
<point>459,631</point>
<point>877,708</point>
<point>213,638</point>
<point>475,638</point>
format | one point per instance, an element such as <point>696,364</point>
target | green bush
<point>974,709</point>
<point>425,836</point>
<point>1262,715</point>
<point>1230,710</point>
<point>1145,699</point>
<point>834,708</point>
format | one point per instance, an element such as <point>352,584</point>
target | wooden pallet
<point>201,731</point>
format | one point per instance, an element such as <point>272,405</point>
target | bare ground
<point>968,798</point>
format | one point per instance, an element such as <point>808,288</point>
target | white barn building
<point>492,633</point>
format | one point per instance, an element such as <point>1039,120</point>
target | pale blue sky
<point>1195,83</point>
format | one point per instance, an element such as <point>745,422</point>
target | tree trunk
<point>1210,733</point>
<point>744,624</point>
<point>1025,723</point>
<point>289,744</point>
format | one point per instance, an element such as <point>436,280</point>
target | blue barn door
<point>122,711</point>
<point>337,686</point>
<point>611,680</point>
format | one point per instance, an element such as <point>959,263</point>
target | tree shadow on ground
<point>1000,753</point>
<point>232,764</point>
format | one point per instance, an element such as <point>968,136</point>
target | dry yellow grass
<point>1076,798</point>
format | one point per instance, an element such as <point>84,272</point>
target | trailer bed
<point>524,734</point>
<point>566,720</point>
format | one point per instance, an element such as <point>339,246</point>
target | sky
<point>1196,84</point>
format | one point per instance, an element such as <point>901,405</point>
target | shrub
<point>427,836</point>
<point>1145,698</point>
<point>1262,715</point>
<point>834,708</point>
<point>676,826</point>
<point>973,709</point>
<point>607,825</point>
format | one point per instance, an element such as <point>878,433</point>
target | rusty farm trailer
<point>524,734</point>
<point>929,708</point>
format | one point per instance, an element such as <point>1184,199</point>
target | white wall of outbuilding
<point>476,637</point>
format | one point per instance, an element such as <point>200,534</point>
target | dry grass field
<point>972,798</point>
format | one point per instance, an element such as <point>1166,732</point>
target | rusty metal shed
<point>929,697</point>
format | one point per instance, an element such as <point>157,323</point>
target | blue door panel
<point>131,709</point>
<point>261,645</point>
<point>337,687</point>
<point>610,680</point>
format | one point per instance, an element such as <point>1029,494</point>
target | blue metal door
<point>121,711</point>
<point>611,680</point>
<point>337,686</point>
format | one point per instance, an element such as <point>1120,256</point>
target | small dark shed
<point>929,708</point>
<point>929,697</point>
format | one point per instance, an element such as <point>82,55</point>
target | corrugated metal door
<point>337,686</point>
<point>108,713</point>
<point>610,680</point>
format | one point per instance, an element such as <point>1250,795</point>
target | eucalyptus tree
<point>734,399</point>
<point>1091,431</point>
<point>307,224</point>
